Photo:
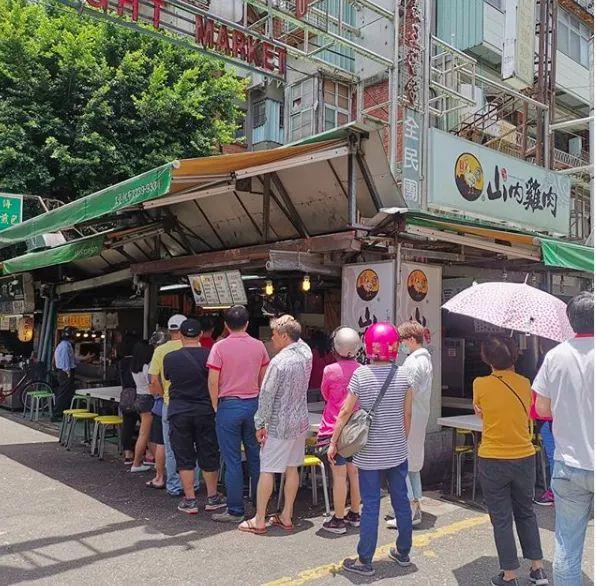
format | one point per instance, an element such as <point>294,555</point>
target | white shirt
<point>419,367</point>
<point>142,380</point>
<point>567,379</point>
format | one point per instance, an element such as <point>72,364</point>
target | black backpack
<point>128,397</point>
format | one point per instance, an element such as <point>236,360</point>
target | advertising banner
<point>419,299</point>
<point>467,177</point>
<point>367,294</point>
<point>218,289</point>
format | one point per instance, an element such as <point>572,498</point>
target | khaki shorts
<point>279,454</point>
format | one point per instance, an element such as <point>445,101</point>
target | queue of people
<point>232,402</point>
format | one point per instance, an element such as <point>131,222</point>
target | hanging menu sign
<point>218,289</point>
<point>16,295</point>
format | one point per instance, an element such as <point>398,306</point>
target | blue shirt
<point>64,356</point>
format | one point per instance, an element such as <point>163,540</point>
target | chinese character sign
<point>11,210</point>
<point>468,177</point>
<point>411,165</point>
<point>367,294</point>
<point>419,299</point>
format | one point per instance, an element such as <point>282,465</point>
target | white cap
<point>175,322</point>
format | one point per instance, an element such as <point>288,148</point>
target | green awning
<point>75,250</point>
<point>149,185</point>
<point>556,253</point>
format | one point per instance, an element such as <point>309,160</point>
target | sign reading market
<point>484,183</point>
<point>218,37</point>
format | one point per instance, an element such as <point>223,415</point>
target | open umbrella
<point>514,306</point>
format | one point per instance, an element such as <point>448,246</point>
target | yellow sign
<point>81,321</point>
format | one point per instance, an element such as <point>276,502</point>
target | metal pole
<point>590,239</point>
<point>146,311</point>
<point>44,325</point>
<point>266,206</point>
<point>394,96</point>
<point>427,16</point>
<point>352,186</point>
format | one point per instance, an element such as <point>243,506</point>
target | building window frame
<point>302,104</point>
<point>573,38</point>
<point>337,103</point>
<point>259,113</point>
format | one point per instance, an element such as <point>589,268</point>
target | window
<point>259,116</point>
<point>498,4</point>
<point>573,37</point>
<point>336,96</point>
<point>301,109</point>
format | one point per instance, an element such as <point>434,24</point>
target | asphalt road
<point>67,518</point>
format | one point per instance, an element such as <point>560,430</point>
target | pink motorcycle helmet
<point>381,342</point>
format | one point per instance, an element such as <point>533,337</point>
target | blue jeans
<point>370,492</point>
<point>173,484</point>
<point>574,501</point>
<point>548,442</point>
<point>235,425</point>
<point>414,484</point>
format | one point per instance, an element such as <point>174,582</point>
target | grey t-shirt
<point>387,445</point>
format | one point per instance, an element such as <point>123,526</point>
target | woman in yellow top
<point>506,460</point>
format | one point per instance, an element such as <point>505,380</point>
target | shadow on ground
<point>475,572</point>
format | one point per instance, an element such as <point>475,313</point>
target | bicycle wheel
<point>33,387</point>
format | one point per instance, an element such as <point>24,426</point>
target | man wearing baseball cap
<point>192,418</point>
<point>160,386</point>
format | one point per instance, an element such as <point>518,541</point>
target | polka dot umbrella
<point>514,306</point>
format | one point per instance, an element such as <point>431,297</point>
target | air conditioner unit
<point>44,241</point>
<point>503,130</point>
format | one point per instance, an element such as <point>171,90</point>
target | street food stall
<point>17,330</point>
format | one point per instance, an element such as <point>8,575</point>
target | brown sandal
<point>248,527</point>
<point>275,521</point>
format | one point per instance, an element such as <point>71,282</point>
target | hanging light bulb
<point>269,288</point>
<point>306,283</point>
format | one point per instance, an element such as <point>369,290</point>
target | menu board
<point>81,321</point>
<point>218,289</point>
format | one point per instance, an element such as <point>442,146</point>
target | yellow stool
<point>85,417</point>
<point>312,462</point>
<point>66,416</point>
<point>98,440</point>
<point>458,455</point>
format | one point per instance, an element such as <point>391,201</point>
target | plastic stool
<point>38,400</point>
<point>66,416</point>
<point>102,423</point>
<point>312,462</point>
<point>85,417</point>
<point>77,399</point>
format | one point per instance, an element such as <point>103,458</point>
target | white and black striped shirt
<point>387,445</point>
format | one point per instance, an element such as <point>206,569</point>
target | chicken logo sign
<point>417,285</point>
<point>469,176</point>
<point>367,285</point>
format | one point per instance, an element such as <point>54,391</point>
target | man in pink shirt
<point>237,365</point>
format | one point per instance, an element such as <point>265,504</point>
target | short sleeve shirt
<point>387,446</point>
<point>239,359</point>
<point>156,366</point>
<point>186,369</point>
<point>567,379</point>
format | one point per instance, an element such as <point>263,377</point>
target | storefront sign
<point>419,299</point>
<point>367,294</point>
<point>80,321</point>
<point>517,64</point>
<point>465,176</point>
<point>11,210</point>
<point>218,289</point>
<point>412,159</point>
<point>17,295</point>
<point>213,35</point>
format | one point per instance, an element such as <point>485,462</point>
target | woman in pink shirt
<point>334,388</point>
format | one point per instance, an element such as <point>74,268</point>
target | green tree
<point>84,105</point>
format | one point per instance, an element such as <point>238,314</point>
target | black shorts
<point>144,403</point>
<point>194,440</point>
<point>156,434</point>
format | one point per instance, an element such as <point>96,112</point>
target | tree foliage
<point>84,104</point>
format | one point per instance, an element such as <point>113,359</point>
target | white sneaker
<point>141,468</point>
<point>417,516</point>
<point>391,524</point>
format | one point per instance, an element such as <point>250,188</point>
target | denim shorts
<point>341,461</point>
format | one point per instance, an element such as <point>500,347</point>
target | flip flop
<point>152,484</point>
<point>275,521</point>
<point>248,527</point>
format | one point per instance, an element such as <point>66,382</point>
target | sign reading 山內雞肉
<point>484,183</point>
